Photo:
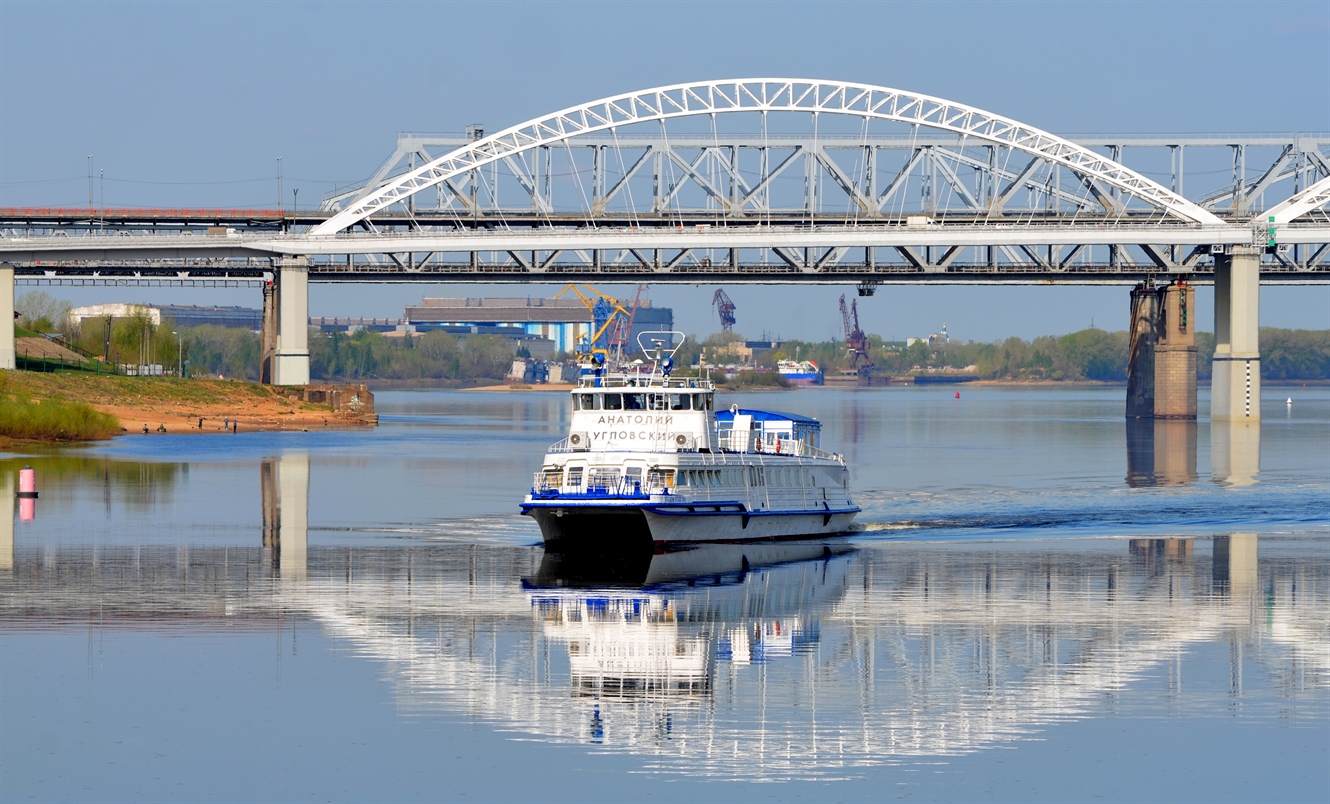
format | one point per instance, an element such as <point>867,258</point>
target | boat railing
<point>750,441</point>
<point>605,483</point>
<point>643,381</point>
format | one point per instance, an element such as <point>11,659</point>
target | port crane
<point>856,342</point>
<point>603,309</point>
<point>724,308</point>
<point>621,331</point>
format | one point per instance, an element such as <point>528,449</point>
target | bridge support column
<point>291,363</point>
<point>1161,364</point>
<point>8,357</point>
<point>268,333</point>
<point>1236,378</point>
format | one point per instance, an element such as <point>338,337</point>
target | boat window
<point>613,402</point>
<point>706,400</point>
<point>679,401</point>
<point>588,401</point>
<point>575,477</point>
<point>634,402</point>
<point>658,401</point>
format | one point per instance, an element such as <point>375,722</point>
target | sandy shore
<point>179,405</point>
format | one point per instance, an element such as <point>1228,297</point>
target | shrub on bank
<point>54,420</point>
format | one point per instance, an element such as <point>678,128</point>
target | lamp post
<point>295,200</point>
<point>179,350</point>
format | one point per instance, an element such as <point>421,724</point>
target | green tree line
<point>1091,354</point>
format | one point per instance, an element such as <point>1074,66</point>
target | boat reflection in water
<point>654,625</point>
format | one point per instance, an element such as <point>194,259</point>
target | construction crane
<point>724,308</point>
<point>603,309</point>
<point>622,330</point>
<point>856,342</point>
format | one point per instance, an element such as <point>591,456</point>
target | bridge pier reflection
<point>1235,452</point>
<point>1161,452</point>
<point>7,522</point>
<point>285,500</point>
<point>1234,570</point>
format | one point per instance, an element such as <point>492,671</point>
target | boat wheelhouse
<point>649,460</point>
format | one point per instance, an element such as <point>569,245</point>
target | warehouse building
<point>562,321</point>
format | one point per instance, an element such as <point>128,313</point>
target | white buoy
<point>1289,402</point>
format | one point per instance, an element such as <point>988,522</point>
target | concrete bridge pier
<point>8,357</point>
<point>268,333</point>
<point>1235,393</point>
<point>290,362</point>
<point>1161,364</point>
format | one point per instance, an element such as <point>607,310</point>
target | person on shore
<point>235,427</point>
<point>161,428</point>
<point>145,428</point>
<point>200,422</point>
<point>226,423</point>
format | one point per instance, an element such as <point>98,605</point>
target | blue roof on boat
<point>767,416</point>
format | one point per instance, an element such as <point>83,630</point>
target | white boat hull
<point>639,524</point>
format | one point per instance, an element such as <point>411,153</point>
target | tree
<point>39,311</point>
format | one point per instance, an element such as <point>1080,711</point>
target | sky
<point>191,104</point>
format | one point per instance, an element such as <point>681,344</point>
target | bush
<point>54,420</point>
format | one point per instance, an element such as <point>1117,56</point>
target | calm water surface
<point>1043,603</point>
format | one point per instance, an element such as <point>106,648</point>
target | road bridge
<point>761,180</point>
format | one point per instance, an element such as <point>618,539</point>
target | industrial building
<point>183,315</point>
<point>562,321</point>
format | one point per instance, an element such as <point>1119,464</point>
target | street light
<point>179,360</point>
<point>295,200</point>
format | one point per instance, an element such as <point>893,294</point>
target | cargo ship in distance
<point>800,372</point>
<point>649,461</point>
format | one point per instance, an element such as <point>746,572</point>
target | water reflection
<point>140,486</point>
<point>1235,452</point>
<point>7,522</point>
<point>1161,452</point>
<point>284,486</point>
<point>718,663</point>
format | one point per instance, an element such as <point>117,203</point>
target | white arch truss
<point>1314,197</point>
<point>769,95</point>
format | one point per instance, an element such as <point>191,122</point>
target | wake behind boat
<point>649,460</point>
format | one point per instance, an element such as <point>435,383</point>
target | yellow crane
<point>600,318</point>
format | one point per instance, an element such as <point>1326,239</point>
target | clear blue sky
<point>191,104</point>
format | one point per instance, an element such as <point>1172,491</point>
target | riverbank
<point>178,406</point>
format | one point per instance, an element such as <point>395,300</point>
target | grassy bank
<point>52,420</point>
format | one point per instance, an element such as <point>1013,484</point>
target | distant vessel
<point>648,461</point>
<point>800,372</point>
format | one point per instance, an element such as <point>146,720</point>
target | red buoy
<point>958,394</point>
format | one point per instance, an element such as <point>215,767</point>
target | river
<point>1040,602</point>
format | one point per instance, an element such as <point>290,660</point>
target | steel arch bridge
<point>995,200</point>
<point>768,180</point>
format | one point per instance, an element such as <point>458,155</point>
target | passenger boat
<point>649,461</point>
